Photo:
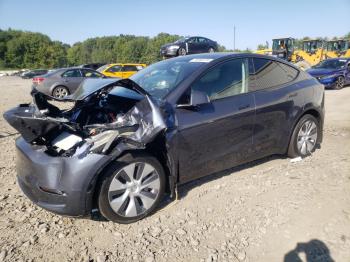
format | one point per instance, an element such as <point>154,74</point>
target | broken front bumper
<point>63,185</point>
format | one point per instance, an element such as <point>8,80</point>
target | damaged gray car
<point>126,143</point>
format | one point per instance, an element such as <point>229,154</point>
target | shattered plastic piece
<point>66,141</point>
<point>296,159</point>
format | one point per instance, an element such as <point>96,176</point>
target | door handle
<point>243,107</point>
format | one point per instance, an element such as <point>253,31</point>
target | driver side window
<point>224,80</point>
<point>192,40</point>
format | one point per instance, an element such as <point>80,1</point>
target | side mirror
<point>197,98</point>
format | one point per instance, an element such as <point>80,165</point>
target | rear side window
<point>225,80</point>
<point>113,69</point>
<point>139,67</point>
<point>128,68</point>
<point>90,73</point>
<point>72,73</point>
<point>269,73</point>
<point>202,40</point>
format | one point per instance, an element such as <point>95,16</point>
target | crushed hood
<point>42,122</point>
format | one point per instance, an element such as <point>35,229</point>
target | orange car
<point>120,70</point>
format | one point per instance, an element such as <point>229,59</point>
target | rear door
<point>203,45</point>
<point>217,135</point>
<point>72,79</point>
<point>278,100</point>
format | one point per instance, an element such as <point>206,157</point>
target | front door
<point>192,45</point>
<point>217,135</point>
<point>347,73</point>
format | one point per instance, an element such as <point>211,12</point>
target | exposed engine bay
<point>108,117</point>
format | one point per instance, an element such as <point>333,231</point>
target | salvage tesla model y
<point>125,143</point>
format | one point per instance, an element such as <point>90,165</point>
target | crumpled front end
<point>61,151</point>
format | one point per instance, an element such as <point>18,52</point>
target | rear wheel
<point>60,92</point>
<point>131,188</point>
<point>211,50</point>
<point>339,84</point>
<point>305,137</point>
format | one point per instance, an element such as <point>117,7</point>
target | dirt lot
<point>265,211</point>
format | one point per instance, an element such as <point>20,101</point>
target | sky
<point>255,21</point>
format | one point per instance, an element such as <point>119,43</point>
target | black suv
<point>127,142</point>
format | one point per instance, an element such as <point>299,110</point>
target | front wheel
<point>211,50</point>
<point>305,137</point>
<point>339,84</point>
<point>131,188</point>
<point>182,51</point>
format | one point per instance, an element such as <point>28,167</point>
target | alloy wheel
<point>307,137</point>
<point>340,82</point>
<point>182,52</point>
<point>134,189</point>
<point>60,92</point>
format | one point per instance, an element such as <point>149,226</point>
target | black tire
<point>293,149</point>
<point>182,51</point>
<point>59,91</point>
<point>112,173</point>
<point>211,50</point>
<point>339,84</point>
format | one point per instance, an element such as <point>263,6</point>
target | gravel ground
<point>269,210</point>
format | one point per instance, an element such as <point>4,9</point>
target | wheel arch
<point>157,149</point>
<point>57,85</point>
<point>310,111</point>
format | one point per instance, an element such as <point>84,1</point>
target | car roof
<point>74,67</point>
<point>223,55</point>
<point>125,64</point>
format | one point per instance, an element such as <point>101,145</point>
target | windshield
<point>331,64</point>
<point>282,44</point>
<point>336,45</point>
<point>102,68</point>
<point>312,46</point>
<point>161,78</point>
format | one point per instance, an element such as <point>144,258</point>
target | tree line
<point>21,49</point>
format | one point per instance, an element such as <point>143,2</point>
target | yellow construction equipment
<point>338,48</point>
<point>310,53</point>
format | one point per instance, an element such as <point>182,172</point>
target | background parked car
<point>189,45</point>
<point>33,73</point>
<point>121,70</point>
<point>64,81</point>
<point>332,73</point>
<point>93,66</point>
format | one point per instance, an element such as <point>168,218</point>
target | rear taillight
<point>38,80</point>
